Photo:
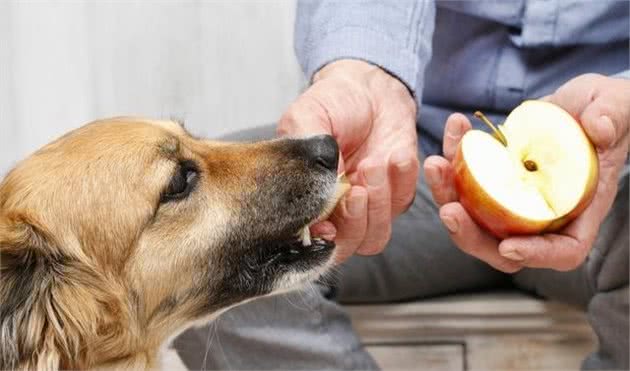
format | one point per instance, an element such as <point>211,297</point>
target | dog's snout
<point>323,150</point>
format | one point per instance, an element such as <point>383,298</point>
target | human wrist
<point>353,68</point>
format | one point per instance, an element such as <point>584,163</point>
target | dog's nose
<point>323,151</point>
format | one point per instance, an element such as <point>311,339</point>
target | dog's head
<point>124,231</point>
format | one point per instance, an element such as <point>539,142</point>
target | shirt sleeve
<point>394,35</point>
<point>623,75</point>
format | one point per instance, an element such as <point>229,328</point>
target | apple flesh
<point>539,180</point>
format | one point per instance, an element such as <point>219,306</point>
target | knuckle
<point>287,122</point>
<point>404,195</point>
<point>378,203</point>
<point>403,203</point>
<point>587,79</point>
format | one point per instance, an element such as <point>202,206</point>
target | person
<point>395,83</point>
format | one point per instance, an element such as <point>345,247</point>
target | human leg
<point>600,286</point>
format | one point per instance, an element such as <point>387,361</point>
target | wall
<point>219,65</point>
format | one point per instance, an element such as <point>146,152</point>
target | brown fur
<point>97,272</point>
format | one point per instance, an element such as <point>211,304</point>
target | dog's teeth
<point>306,236</point>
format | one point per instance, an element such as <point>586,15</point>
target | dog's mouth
<point>296,251</point>
<point>342,186</point>
<point>290,257</point>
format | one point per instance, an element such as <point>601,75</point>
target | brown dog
<point>121,234</point>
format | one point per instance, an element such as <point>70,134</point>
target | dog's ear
<point>56,309</point>
<point>35,331</point>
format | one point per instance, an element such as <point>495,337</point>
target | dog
<point>121,234</point>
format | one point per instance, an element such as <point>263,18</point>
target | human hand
<point>602,106</point>
<point>372,115</point>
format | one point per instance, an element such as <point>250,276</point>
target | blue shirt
<point>467,55</point>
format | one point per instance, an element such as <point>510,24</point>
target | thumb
<point>598,103</point>
<point>304,117</point>
<point>599,126</point>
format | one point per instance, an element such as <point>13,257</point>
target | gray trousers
<point>308,329</point>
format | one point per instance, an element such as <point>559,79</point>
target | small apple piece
<point>341,188</point>
<point>536,173</point>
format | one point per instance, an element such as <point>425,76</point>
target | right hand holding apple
<point>602,105</point>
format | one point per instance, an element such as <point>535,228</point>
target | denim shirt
<point>467,55</point>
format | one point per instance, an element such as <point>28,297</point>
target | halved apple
<point>538,172</point>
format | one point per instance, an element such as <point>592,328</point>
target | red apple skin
<point>484,210</point>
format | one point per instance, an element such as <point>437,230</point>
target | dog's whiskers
<point>212,330</point>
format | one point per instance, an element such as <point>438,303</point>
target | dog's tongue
<point>324,229</point>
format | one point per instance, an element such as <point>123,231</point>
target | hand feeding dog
<point>122,233</point>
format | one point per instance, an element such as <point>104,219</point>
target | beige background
<point>220,65</point>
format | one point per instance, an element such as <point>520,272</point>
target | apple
<point>534,174</point>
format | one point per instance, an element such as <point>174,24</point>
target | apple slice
<point>537,172</point>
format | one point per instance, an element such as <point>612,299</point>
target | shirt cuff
<point>367,45</point>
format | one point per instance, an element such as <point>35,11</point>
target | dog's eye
<point>182,183</point>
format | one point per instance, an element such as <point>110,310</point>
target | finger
<point>305,116</point>
<point>341,167</point>
<point>472,240</point>
<point>324,229</point>
<point>404,167</point>
<point>374,175</point>
<point>456,126</point>
<point>439,176</point>
<point>598,125</point>
<point>350,220</point>
<point>574,95</point>
<point>588,98</point>
<point>554,251</point>
<point>566,250</point>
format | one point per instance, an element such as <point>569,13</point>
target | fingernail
<point>606,131</point>
<point>432,175</point>
<point>450,223</point>
<point>512,255</point>
<point>375,176</point>
<point>355,205</point>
